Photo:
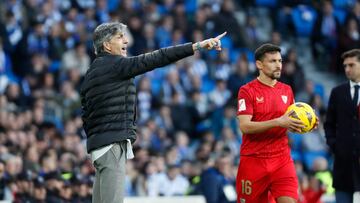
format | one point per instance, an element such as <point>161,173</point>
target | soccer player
<point>265,162</point>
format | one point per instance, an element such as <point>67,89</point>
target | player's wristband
<point>198,47</point>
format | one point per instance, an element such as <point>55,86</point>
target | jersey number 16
<point>245,187</point>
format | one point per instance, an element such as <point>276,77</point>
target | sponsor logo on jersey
<point>259,99</point>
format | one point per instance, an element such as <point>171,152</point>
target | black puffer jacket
<point>108,93</point>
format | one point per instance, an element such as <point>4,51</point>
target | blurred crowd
<point>188,135</point>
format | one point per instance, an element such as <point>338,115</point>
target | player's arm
<point>247,126</point>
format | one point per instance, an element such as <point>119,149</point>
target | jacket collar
<point>103,53</point>
<point>352,84</point>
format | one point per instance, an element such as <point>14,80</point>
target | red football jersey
<point>265,103</point>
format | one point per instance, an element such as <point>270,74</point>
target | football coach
<point>108,98</point>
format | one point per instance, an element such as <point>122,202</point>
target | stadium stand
<point>46,47</point>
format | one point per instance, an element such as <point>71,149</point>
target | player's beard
<point>274,75</point>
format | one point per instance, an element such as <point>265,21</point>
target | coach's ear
<point>106,46</point>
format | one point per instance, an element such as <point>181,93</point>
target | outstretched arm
<point>128,67</point>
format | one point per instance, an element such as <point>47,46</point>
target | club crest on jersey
<point>242,200</point>
<point>259,99</point>
<point>284,98</point>
<point>242,105</point>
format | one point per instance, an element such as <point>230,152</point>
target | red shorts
<point>258,176</point>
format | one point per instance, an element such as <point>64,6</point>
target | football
<point>305,113</point>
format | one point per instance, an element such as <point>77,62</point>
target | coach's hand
<point>212,43</point>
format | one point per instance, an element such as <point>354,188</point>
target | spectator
<point>323,174</point>
<point>354,14</point>
<point>182,145</point>
<point>171,86</point>
<point>70,100</point>
<point>217,183</point>
<point>240,76</point>
<point>39,191</point>
<point>36,40</point>
<point>349,39</point>
<point>220,95</point>
<point>181,115</point>
<point>293,73</point>
<point>13,166</point>
<point>145,99</point>
<point>150,42</point>
<point>31,161</point>
<point>11,32</point>
<point>311,190</point>
<point>57,43</point>
<point>222,66</point>
<point>325,35</point>
<point>226,17</point>
<point>76,58</point>
<point>350,36</point>
<point>276,39</point>
<point>164,119</point>
<point>173,183</point>
<point>2,180</point>
<point>24,189</point>
<point>198,67</point>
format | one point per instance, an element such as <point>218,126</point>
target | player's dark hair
<point>351,53</point>
<point>265,48</point>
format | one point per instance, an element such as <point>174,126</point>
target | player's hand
<point>212,43</point>
<point>316,124</point>
<point>292,124</point>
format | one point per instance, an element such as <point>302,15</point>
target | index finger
<point>220,36</point>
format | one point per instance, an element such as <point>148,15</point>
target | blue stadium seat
<point>340,14</point>
<point>157,78</point>
<point>296,146</point>
<point>303,18</point>
<point>250,55</point>
<point>234,55</point>
<point>343,3</point>
<point>309,157</point>
<point>55,66</point>
<point>8,70</point>
<point>295,141</point>
<point>113,4</point>
<point>207,84</point>
<point>226,42</point>
<point>266,3</point>
<point>320,90</point>
<point>190,6</point>
<point>296,155</point>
